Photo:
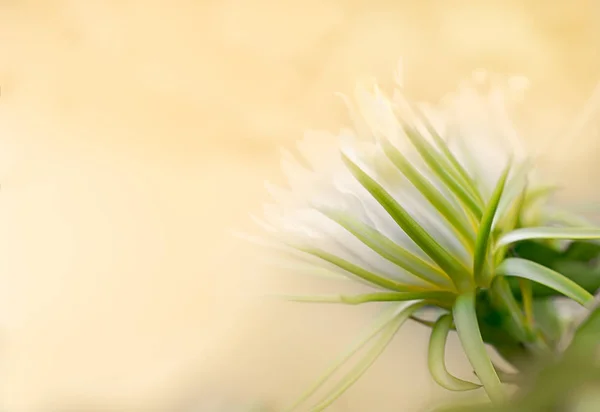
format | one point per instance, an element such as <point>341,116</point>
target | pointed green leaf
<point>373,354</point>
<point>461,172</point>
<point>445,260</point>
<point>580,233</point>
<point>390,250</point>
<point>440,166</point>
<point>360,272</point>
<point>383,319</point>
<point>437,358</point>
<point>432,194</point>
<point>510,220</point>
<point>527,269</point>
<point>467,327</point>
<point>515,187</point>
<point>447,297</point>
<point>485,228</point>
<point>469,159</point>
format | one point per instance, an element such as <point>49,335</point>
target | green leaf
<point>508,221</point>
<point>461,172</point>
<point>533,271</point>
<point>445,260</point>
<point>432,194</point>
<point>383,319</point>
<point>440,166</point>
<point>433,296</point>
<point>529,233</point>
<point>360,272</point>
<point>437,358</point>
<point>515,185</point>
<point>372,355</point>
<point>581,273</point>
<point>467,327</point>
<point>485,229</point>
<point>475,170</point>
<point>389,249</point>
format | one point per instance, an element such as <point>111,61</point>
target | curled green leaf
<point>437,358</point>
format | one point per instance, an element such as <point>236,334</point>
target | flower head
<point>420,204</point>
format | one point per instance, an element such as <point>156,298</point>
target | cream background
<point>134,134</point>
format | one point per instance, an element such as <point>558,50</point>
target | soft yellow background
<point>135,134</point>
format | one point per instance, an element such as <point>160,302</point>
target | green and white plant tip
<point>421,204</point>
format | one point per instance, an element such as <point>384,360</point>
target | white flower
<point>324,197</point>
<point>420,203</point>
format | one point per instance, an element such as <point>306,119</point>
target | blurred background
<point>134,135</point>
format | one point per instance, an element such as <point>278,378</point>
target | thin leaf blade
<point>467,327</point>
<point>373,354</point>
<point>527,269</point>
<point>432,194</point>
<point>360,272</point>
<point>530,233</point>
<point>382,320</point>
<point>485,228</point>
<point>445,260</point>
<point>440,166</point>
<point>433,296</point>
<point>461,172</point>
<point>390,250</point>
<point>436,359</point>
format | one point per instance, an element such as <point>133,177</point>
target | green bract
<point>422,205</point>
<point>570,382</point>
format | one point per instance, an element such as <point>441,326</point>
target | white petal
<point>377,111</point>
<point>474,121</point>
<point>423,212</point>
